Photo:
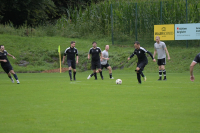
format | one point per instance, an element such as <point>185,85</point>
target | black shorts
<point>161,62</point>
<point>7,69</point>
<point>141,65</point>
<point>71,63</point>
<point>105,66</point>
<point>96,64</point>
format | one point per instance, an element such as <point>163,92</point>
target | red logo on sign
<point>177,28</point>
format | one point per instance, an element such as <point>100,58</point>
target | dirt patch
<point>55,70</point>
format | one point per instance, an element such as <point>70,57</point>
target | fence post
<point>135,21</point>
<point>186,10</point>
<point>161,12</point>
<point>112,25</point>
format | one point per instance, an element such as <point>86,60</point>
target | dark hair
<point>0,46</point>
<point>73,42</point>
<point>94,42</point>
<point>136,42</point>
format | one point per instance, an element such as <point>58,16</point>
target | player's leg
<point>163,68</point>
<point>8,72</point>
<point>138,75</point>
<point>94,66</point>
<point>99,69</point>
<point>140,68</point>
<point>74,70</point>
<point>160,69</point>
<point>15,75</point>
<point>110,71</point>
<point>69,62</point>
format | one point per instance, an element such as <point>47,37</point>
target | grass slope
<point>41,53</point>
<point>50,103</point>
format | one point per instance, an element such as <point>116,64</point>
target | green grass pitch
<point>50,103</point>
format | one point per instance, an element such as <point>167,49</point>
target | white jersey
<point>105,55</point>
<point>160,48</point>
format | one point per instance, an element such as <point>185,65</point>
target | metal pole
<point>112,25</point>
<point>136,21</point>
<point>161,12</point>
<point>186,19</point>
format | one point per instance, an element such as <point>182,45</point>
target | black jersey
<point>3,56</point>
<point>141,54</point>
<point>197,58</point>
<point>95,53</point>
<point>71,52</point>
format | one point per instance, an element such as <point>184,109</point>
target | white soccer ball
<point>119,81</point>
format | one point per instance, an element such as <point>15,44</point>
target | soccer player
<point>161,49</point>
<point>194,62</point>
<point>5,64</point>
<point>142,60</point>
<point>71,52</point>
<point>104,63</point>
<point>95,62</point>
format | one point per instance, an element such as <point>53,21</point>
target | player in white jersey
<point>104,63</point>
<point>161,49</point>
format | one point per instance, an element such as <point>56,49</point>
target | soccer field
<point>50,103</point>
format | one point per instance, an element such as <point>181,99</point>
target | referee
<point>5,64</point>
<point>142,60</point>
<point>95,62</point>
<point>194,62</point>
<point>71,52</point>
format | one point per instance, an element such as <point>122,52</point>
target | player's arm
<point>167,53</point>
<point>191,70</point>
<point>101,56</point>
<point>11,56</point>
<point>77,57</point>
<point>65,53</point>
<point>3,60</point>
<point>154,54</point>
<point>131,56</point>
<point>151,56</point>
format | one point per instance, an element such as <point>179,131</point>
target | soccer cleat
<point>165,79</point>
<point>112,78</point>
<point>160,79</point>
<point>74,79</point>
<point>12,80</point>
<point>70,79</point>
<point>102,77</point>
<point>145,79</point>
<point>89,77</point>
<point>18,82</point>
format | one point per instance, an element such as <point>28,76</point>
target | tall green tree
<point>31,12</point>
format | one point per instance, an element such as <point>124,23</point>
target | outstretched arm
<point>131,56</point>
<point>12,56</point>
<point>151,56</point>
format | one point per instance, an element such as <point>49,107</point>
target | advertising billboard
<point>165,32</point>
<point>187,31</point>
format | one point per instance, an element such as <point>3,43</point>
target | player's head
<point>2,47</point>
<point>157,39</point>
<point>94,44</point>
<point>73,44</point>
<point>137,45</point>
<point>107,47</point>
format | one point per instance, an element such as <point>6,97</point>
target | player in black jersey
<point>5,64</point>
<point>71,52</point>
<point>95,52</point>
<point>194,62</point>
<point>142,60</point>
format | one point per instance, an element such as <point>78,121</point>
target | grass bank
<point>41,54</point>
